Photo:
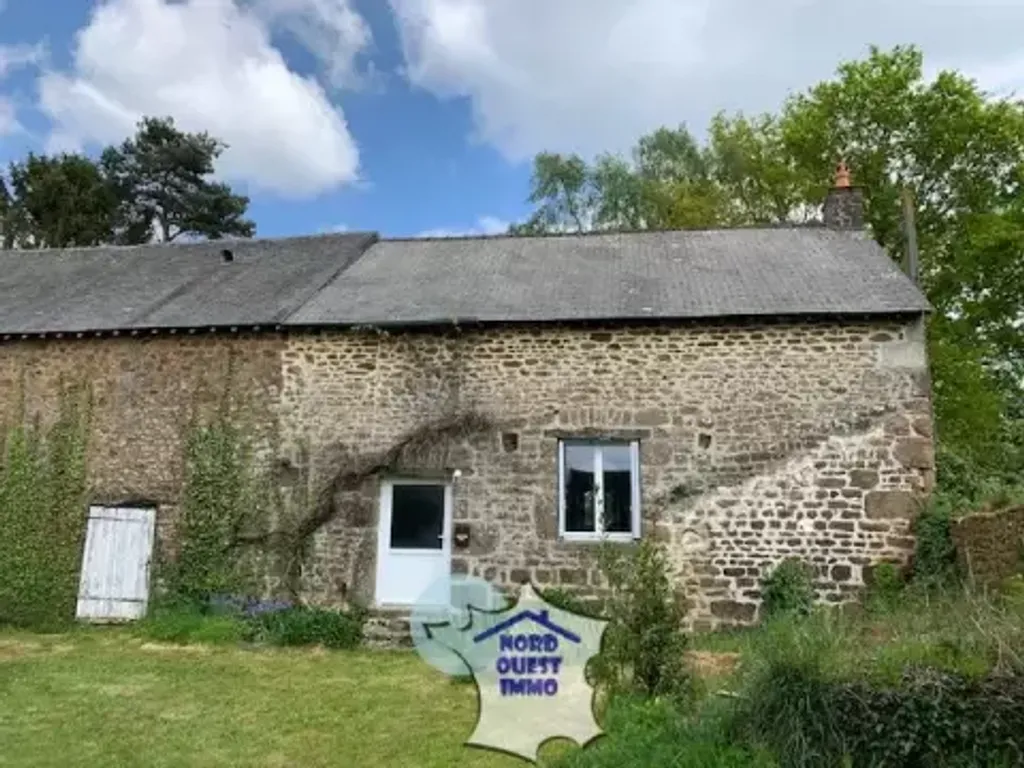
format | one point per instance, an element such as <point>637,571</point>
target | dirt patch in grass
<point>174,648</point>
<point>713,664</point>
<point>15,648</point>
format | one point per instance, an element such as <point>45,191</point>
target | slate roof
<point>679,274</point>
<point>356,279</point>
<point>168,286</point>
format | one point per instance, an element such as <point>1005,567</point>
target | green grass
<point>149,695</point>
<point>111,698</point>
<point>648,733</point>
<point>188,627</point>
<point>954,631</point>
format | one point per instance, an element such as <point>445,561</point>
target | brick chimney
<point>844,205</point>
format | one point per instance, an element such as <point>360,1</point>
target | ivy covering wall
<point>43,515</point>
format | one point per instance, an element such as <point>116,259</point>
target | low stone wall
<point>990,545</point>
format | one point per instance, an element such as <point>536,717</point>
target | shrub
<point>934,551</point>
<point>931,719</point>
<point>935,561</point>
<point>572,602</point>
<point>788,589</point>
<point>642,733</point>
<point>644,645</point>
<point>813,707</point>
<point>301,625</point>
<point>886,587</point>
<point>187,624</point>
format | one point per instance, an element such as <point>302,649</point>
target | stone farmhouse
<point>498,406</point>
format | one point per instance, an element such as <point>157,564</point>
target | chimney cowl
<point>842,175</point>
<point>844,204</point>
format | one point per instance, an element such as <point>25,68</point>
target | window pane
<point>579,488</point>
<point>417,516</point>
<point>618,488</point>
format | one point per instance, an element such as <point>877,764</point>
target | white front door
<point>414,555</point>
<point>114,582</point>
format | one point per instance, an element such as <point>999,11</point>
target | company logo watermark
<point>528,661</point>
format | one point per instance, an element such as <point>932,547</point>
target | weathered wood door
<point>115,564</point>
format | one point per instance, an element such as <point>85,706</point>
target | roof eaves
<point>746,317</point>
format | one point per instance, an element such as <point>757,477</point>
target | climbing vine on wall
<point>286,540</point>
<point>217,501</point>
<point>248,523</point>
<point>43,514</point>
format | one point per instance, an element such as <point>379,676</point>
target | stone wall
<point>757,443</point>
<point>144,392</point>
<point>990,545</point>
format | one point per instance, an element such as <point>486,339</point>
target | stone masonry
<point>144,393</point>
<point>757,441</point>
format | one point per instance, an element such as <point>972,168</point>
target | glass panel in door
<point>417,516</point>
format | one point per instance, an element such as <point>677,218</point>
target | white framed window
<point>599,489</point>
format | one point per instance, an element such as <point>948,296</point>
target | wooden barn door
<point>115,564</point>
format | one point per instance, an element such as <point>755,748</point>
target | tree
<point>6,223</point>
<point>161,180</point>
<point>666,183</point>
<point>55,202</point>
<point>759,179</point>
<point>562,190</point>
<point>959,151</point>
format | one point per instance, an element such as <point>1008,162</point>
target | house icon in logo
<point>529,663</point>
<point>538,617</point>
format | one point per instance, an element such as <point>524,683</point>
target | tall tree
<point>563,191</point>
<point>55,202</point>
<point>759,179</point>
<point>961,153</point>
<point>667,182</point>
<point>957,149</point>
<point>161,177</point>
<point>6,217</point>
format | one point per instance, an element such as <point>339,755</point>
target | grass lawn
<point>107,698</point>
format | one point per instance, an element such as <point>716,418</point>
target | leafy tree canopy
<point>155,186</point>
<point>161,176</point>
<point>959,152</point>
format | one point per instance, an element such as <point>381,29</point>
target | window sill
<point>596,538</point>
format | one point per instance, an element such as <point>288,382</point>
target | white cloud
<point>332,30</point>
<point>8,117</point>
<point>485,225</point>
<point>593,75</point>
<point>20,55</point>
<point>211,66</point>
<point>14,57</point>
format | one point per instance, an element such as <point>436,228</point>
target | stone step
<point>387,629</point>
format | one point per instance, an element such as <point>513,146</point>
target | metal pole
<point>910,229</point>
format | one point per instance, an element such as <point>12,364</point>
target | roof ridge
<point>809,225</point>
<point>228,242</point>
<point>223,242</point>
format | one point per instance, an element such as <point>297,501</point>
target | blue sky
<point>421,116</point>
